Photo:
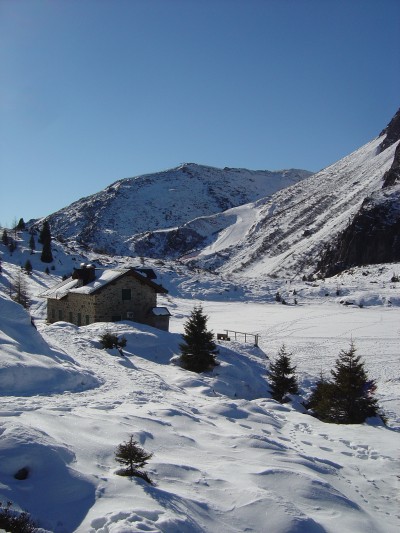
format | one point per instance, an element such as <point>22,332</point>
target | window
<point>116,318</point>
<point>60,314</point>
<point>79,319</point>
<point>71,317</point>
<point>126,294</point>
<point>87,319</point>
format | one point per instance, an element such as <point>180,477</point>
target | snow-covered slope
<point>28,366</point>
<point>226,456</point>
<point>110,219</point>
<point>290,229</point>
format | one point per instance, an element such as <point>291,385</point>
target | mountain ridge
<point>109,219</point>
<point>252,223</point>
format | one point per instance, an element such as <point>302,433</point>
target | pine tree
<point>321,400</point>
<point>12,245</point>
<point>198,350</point>
<point>45,234</point>
<point>134,458</point>
<point>282,376</point>
<point>32,245</point>
<point>28,267</point>
<point>45,239</point>
<point>47,255</point>
<point>21,225</point>
<point>5,238</point>
<point>353,399</point>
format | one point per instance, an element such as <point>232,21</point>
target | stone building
<point>94,295</point>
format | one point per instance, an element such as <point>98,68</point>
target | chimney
<point>85,273</point>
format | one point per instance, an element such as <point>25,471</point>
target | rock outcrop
<point>373,236</point>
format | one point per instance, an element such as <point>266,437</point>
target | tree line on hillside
<point>17,286</point>
<point>346,398</point>
<point>44,239</point>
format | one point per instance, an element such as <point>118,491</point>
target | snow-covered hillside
<point>289,230</point>
<point>226,457</point>
<point>252,223</point>
<point>110,219</point>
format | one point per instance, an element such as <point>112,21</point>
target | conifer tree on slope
<point>321,400</point>
<point>353,399</point>
<point>45,239</point>
<point>282,376</point>
<point>45,233</point>
<point>21,225</point>
<point>134,458</point>
<point>32,244</point>
<point>198,350</point>
<point>5,238</point>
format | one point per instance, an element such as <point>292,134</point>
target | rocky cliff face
<point>373,236</point>
<point>392,176</point>
<point>391,132</point>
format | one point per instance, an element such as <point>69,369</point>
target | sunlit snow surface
<point>226,457</point>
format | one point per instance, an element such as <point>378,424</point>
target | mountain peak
<point>114,219</point>
<point>392,132</point>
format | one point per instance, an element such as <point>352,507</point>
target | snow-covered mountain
<point>112,219</point>
<point>286,234</point>
<point>253,223</point>
<point>374,233</point>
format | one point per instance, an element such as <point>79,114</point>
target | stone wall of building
<point>106,305</point>
<point>79,309</point>
<point>110,303</point>
<point>160,322</point>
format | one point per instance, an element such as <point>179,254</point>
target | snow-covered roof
<point>60,290</point>
<point>160,311</point>
<point>106,276</point>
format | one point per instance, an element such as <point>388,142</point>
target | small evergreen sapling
<point>282,376</point>
<point>198,350</point>
<point>134,458</point>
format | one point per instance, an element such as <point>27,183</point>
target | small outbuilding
<point>107,295</point>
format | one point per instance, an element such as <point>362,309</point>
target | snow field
<point>226,456</point>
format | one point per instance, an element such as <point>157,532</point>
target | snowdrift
<point>28,365</point>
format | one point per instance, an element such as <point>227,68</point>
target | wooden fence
<point>229,333</point>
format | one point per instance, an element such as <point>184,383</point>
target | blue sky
<point>97,90</point>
